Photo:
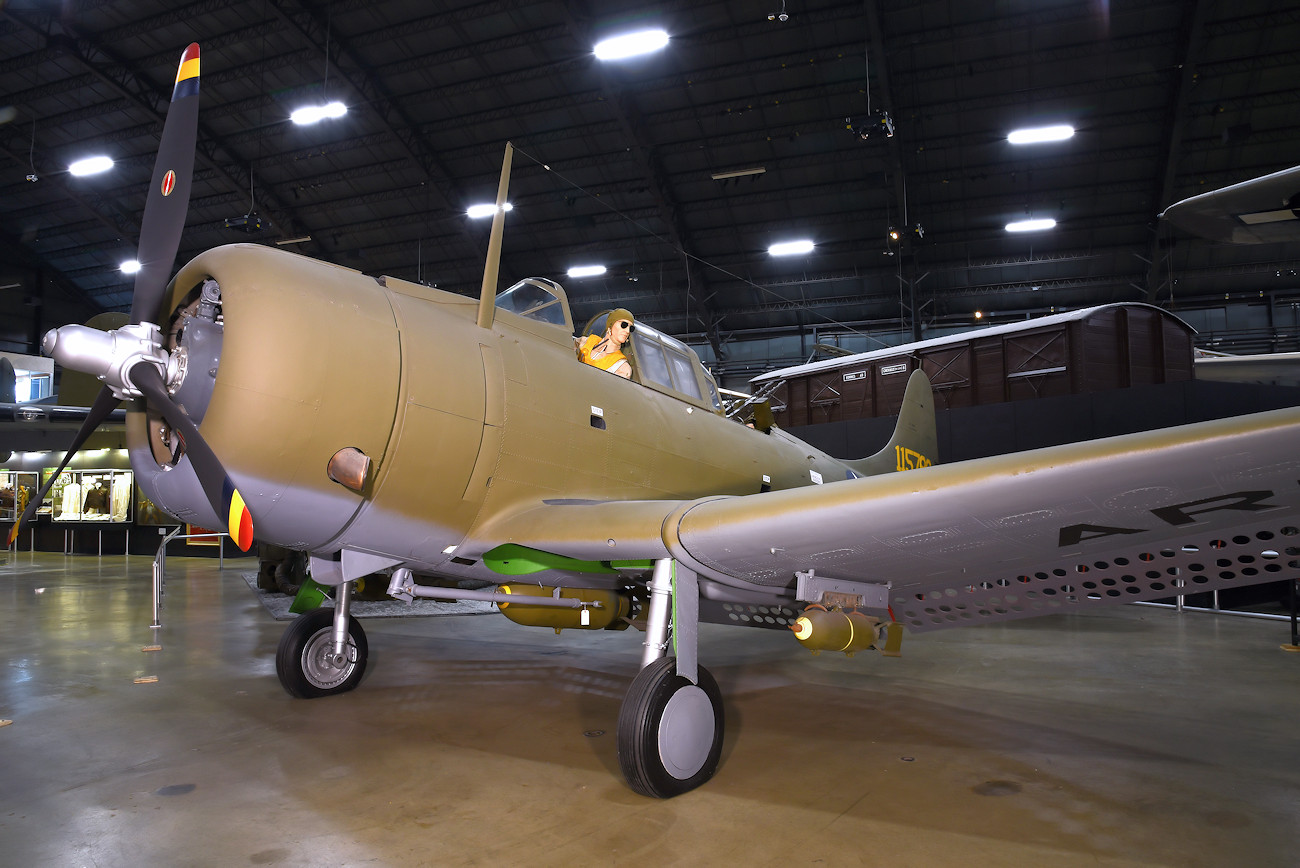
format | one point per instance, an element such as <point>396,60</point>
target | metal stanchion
<point>1295,626</point>
<point>160,563</point>
<point>157,593</point>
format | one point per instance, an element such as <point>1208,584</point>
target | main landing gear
<point>323,652</point>
<point>671,722</point>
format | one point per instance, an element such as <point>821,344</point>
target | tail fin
<point>915,443</point>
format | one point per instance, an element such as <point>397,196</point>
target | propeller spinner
<point>131,360</point>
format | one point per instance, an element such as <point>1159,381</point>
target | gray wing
<point>1128,518</point>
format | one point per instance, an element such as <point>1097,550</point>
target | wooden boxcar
<point>1113,346</point>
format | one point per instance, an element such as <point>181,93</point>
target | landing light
<point>586,270</point>
<point>91,166</point>
<point>1031,225</point>
<point>631,44</point>
<point>314,113</point>
<point>791,248</point>
<point>1037,135</point>
<point>486,210</point>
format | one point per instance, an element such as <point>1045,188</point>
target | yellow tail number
<point>909,459</point>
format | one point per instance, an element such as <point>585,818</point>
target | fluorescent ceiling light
<point>487,209</point>
<point>301,239</point>
<point>739,173</point>
<point>130,266</point>
<point>631,44</point>
<point>586,270</point>
<point>91,166</point>
<point>1031,225</point>
<point>791,248</point>
<point>1034,135</point>
<point>314,113</point>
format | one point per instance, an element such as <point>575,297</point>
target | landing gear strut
<point>671,722</point>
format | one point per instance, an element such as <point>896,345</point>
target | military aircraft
<point>381,425</point>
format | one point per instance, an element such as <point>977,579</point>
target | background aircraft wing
<point>1143,516</point>
<point>1257,211</point>
<point>1274,369</point>
<point>51,427</point>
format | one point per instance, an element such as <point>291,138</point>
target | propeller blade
<point>169,192</point>
<point>105,403</point>
<point>222,495</point>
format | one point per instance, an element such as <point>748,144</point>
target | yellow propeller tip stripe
<point>240,522</point>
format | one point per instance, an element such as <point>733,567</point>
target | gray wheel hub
<point>686,732</point>
<point>318,660</point>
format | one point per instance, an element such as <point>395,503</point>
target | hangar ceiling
<point>618,162</point>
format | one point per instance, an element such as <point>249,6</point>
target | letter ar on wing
<point>1238,539</point>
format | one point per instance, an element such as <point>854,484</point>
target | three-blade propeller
<point>160,236</point>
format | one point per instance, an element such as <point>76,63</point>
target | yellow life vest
<point>607,362</point>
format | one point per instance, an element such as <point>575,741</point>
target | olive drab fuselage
<point>462,424</point>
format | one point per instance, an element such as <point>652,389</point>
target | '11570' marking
<point>908,459</point>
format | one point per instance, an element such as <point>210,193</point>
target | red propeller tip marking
<point>239,520</point>
<point>244,535</point>
<point>187,75</point>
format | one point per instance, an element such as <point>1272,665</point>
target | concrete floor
<point>1136,737</point>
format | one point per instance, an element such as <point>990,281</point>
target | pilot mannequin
<point>606,352</point>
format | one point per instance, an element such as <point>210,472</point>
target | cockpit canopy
<point>665,364</point>
<point>538,299</point>
<point>659,361</point>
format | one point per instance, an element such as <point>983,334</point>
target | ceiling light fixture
<point>1037,135</point>
<point>315,113</point>
<point>486,209</point>
<point>130,266</point>
<point>791,248</point>
<point>631,44</point>
<point>91,166</point>
<point>586,270</point>
<point>1031,225</point>
<point>301,239</point>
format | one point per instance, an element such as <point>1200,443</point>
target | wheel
<point>303,659</point>
<point>669,730</point>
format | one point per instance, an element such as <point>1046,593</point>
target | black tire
<point>302,660</point>
<point>664,726</point>
<point>290,574</point>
